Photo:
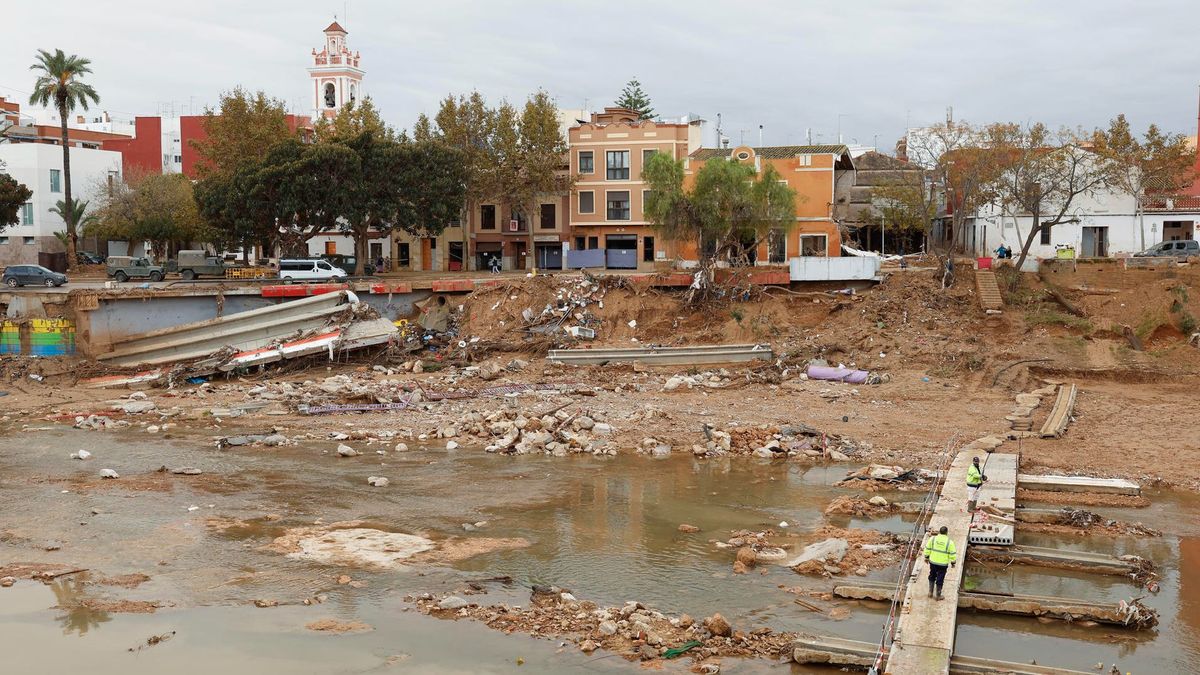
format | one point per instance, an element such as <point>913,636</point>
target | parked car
<point>192,264</point>
<point>303,269</point>
<point>85,258</point>
<point>347,263</point>
<point>123,268</point>
<point>1182,248</point>
<point>32,275</point>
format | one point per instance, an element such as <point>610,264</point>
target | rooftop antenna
<point>718,130</point>
<point>808,136</point>
<point>760,130</point>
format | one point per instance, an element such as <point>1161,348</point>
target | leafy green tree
<point>59,83</point>
<point>529,150</point>
<point>12,196</point>
<point>239,131</point>
<point>633,98</point>
<point>159,208</point>
<point>1158,162</point>
<point>728,206</point>
<point>395,185</point>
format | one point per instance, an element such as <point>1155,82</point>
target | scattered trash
<point>81,454</point>
<point>377,481</point>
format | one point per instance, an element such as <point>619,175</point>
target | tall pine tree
<point>634,98</point>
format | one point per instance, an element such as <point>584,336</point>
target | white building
<point>39,167</point>
<point>1105,224</point>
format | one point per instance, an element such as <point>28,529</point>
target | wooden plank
<point>1112,486</point>
<point>1060,415</point>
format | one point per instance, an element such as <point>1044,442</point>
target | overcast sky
<point>876,65</point>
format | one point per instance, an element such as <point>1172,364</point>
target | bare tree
<point>1044,173</point>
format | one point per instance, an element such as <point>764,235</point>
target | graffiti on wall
<point>38,337</point>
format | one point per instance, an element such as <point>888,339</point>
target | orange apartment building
<point>607,156</point>
<point>821,175</point>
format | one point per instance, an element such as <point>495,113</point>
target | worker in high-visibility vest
<point>975,479</point>
<point>941,555</point>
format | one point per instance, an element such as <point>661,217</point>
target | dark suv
<point>32,275</point>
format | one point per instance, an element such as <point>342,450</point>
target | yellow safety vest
<point>940,550</point>
<point>974,477</point>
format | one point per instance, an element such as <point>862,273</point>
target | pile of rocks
<point>518,432</point>
<point>99,422</point>
<point>753,548</point>
<point>632,630</point>
<point>1021,417</point>
<point>792,440</point>
<point>709,379</point>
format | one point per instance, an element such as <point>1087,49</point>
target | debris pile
<point>875,477</point>
<point>791,440</point>
<point>634,631</point>
<point>753,548</point>
<point>856,506</point>
<point>847,551</point>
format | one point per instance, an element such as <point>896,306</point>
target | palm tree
<point>58,83</point>
<point>82,222</point>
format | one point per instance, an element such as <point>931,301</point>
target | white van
<point>308,269</point>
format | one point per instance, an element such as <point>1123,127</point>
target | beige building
<point>607,155</point>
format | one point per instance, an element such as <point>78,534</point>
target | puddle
<point>605,528</point>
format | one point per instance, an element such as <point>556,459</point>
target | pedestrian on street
<point>939,554</point>
<point>975,479</point>
<point>495,265</point>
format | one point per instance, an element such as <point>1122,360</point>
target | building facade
<point>822,177</point>
<point>39,167</point>
<point>607,155</point>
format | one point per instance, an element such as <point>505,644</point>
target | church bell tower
<point>336,74</point>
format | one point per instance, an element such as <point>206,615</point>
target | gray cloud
<point>789,66</point>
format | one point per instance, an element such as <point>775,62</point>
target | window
<point>618,165</point>
<point>548,217</point>
<point>55,180</point>
<point>1045,235</point>
<point>433,243</point>
<point>587,202</point>
<point>593,242</point>
<point>178,159</point>
<point>487,217</point>
<point>647,249</point>
<point>404,254</point>
<point>646,155</point>
<point>586,163</point>
<point>580,243</point>
<point>330,97</point>
<point>805,160</point>
<point>645,200</point>
<point>331,248</point>
<point>813,245</point>
<point>3,241</point>
<point>27,213</point>
<point>28,241</point>
<point>618,204</point>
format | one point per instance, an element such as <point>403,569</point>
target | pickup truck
<point>192,264</point>
<point>123,268</point>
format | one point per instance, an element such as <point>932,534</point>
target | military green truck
<point>192,264</point>
<point>123,268</point>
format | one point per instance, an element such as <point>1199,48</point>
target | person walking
<point>975,479</point>
<point>940,554</point>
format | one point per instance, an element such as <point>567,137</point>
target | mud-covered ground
<point>243,534</point>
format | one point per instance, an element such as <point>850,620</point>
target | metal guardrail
<point>253,329</point>
<point>665,355</point>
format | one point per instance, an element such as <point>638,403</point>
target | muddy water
<point>605,528</point>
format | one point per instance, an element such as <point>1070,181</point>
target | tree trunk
<point>1034,231</point>
<point>360,248</point>
<point>69,211</point>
